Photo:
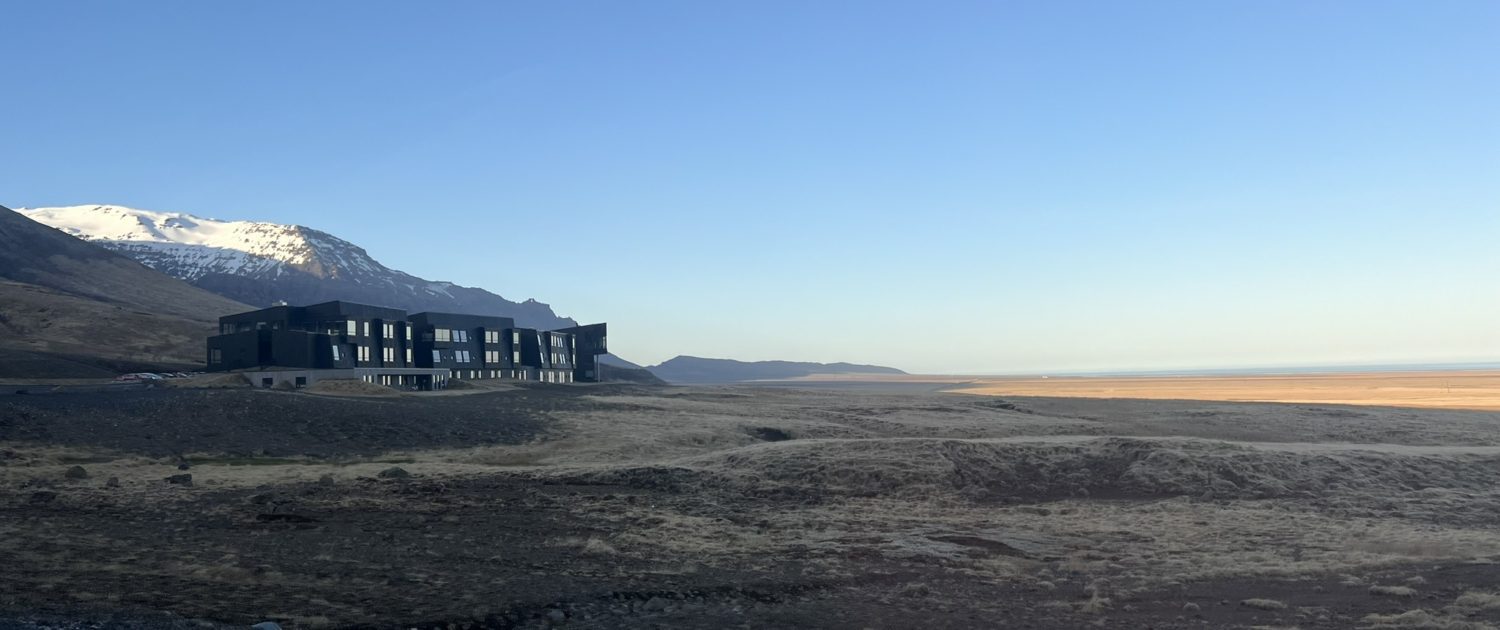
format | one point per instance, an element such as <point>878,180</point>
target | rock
<point>554,615</point>
<point>1223,488</point>
<point>1191,607</point>
<point>76,472</point>
<point>43,496</point>
<point>181,480</point>
<point>655,604</point>
<point>266,625</point>
<point>326,480</point>
<point>394,472</point>
<point>112,482</point>
<point>184,466</point>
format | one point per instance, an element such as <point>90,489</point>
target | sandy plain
<point>1456,389</point>
<point>1442,390</point>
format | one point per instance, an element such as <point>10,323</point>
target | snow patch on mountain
<point>257,262</point>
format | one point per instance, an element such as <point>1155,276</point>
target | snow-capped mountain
<point>259,263</point>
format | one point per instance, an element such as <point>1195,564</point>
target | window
<point>389,354</point>
<point>461,336</point>
<point>515,337</point>
<point>351,328</point>
<point>442,334</point>
<point>517,356</point>
<point>462,356</point>
<point>364,353</point>
<point>337,356</point>
<point>216,356</point>
<point>408,355</point>
<point>437,357</point>
<point>367,329</point>
<point>390,331</point>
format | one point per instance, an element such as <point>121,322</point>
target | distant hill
<point>260,263</point>
<point>69,308</point>
<point>688,370</point>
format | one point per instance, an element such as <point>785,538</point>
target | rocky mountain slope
<point>259,263</point>
<point>69,308</point>
<point>686,370</point>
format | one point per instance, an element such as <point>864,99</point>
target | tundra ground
<point>625,507</point>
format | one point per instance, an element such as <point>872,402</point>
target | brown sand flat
<point>1476,390</point>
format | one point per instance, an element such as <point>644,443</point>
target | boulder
<point>394,472</point>
<point>181,480</point>
<point>76,472</point>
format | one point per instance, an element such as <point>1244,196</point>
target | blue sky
<point>981,187</point>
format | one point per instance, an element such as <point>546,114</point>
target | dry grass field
<point>626,507</point>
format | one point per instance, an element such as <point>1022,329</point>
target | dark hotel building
<point>303,344</point>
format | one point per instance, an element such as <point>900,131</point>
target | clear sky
<point>942,187</point>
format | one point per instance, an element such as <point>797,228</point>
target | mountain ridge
<point>260,263</point>
<point>70,308</point>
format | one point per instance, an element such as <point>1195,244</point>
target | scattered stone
<point>554,615</point>
<point>770,434</point>
<point>655,604</point>
<point>76,472</point>
<point>326,480</point>
<point>266,625</point>
<point>181,480</point>
<point>112,482</point>
<point>184,466</point>
<point>43,496</point>
<point>394,472</point>
<point>1191,607</point>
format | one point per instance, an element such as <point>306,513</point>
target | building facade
<point>389,347</point>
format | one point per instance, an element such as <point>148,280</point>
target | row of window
<point>354,327</point>
<point>545,376</point>
<point>456,334</point>
<point>362,353</point>
<point>388,354</point>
